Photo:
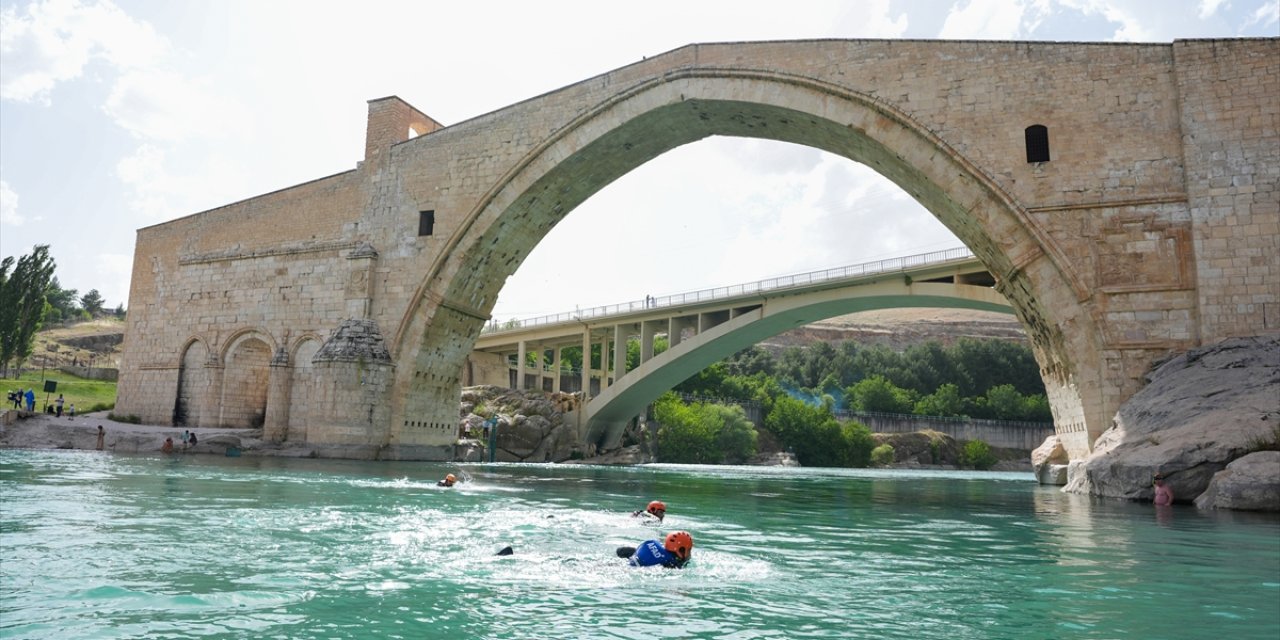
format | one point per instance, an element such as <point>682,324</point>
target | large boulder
<point>530,424</point>
<point>1251,483</point>
<point>1049,462</point>
<point>1199,411</point>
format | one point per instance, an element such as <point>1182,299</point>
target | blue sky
<point>119,115</point>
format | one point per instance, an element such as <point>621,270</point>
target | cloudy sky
<point>119,115</point>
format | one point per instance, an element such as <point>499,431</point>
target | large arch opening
<point>193,383</point>
<point>684,107</point>
<point>247,370</point>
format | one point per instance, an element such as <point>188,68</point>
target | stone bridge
<point>1123,196</point>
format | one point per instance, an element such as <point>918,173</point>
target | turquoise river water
<point>96,545</point>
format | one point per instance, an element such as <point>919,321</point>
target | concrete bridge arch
<point>681,106</point>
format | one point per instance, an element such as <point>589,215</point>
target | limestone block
<point>1251,483</point>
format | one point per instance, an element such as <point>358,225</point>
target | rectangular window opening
<point>426,222</point>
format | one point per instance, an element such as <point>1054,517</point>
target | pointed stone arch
<point>193,383</point>
<point>685,105</point>
<point>246,376</point>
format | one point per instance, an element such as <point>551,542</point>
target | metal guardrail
<point>780,283</point>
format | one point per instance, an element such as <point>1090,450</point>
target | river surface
<point>97,545</point>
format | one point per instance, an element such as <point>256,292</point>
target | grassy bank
<point>87,395</point>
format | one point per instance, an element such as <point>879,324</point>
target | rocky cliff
<point>1199,412</point>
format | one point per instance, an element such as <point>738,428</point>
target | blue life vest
<point>651,552</point>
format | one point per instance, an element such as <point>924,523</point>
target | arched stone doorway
<point>683,106</point>
<point>193,385</point>
<point>245,378</point>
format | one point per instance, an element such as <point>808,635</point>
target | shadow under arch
<point>685,105</point>
<point>246,373</point>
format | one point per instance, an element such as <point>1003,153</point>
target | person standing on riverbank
<point>31,399</point>
<point>102,437</point>
<point>58,406</point>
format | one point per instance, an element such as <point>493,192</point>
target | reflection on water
<point>107,546</point>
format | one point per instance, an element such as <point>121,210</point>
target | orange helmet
<point>680,543</point>
<point>655,506</point>
<point>450,478</point>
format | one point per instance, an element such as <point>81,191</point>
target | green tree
<point>1005,403</point>
<point>946,401</point>
<point>92,302</point>
<point>703,433</point>
<point>63,301</point>
<point>876,393</point>
<point>23,303</point>
<point>882,455</point>
<point>977,454</point>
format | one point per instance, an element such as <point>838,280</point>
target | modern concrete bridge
<point>1124,197</point>
<point>703,327</point>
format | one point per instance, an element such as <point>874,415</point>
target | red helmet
<point>679,543</point>
<point>656,506</point>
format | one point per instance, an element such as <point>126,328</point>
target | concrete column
<point>586,364</point>
<point>605,362</point>
<point>619,352</point>
<point>539,368</point>
<point>279,382</point>
<point>648,329</point>
<point>520,366</point>
<point>555,369</point>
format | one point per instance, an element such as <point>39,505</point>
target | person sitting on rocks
<point>656,509</point>
<point>193,439</point>
<point>1164,495</point>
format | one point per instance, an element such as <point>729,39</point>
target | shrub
<point>1268,442</point>
<point>131,419</point>
<point>882,455</point>
<point>977,454</point>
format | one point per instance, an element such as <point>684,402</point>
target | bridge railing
<point>780,283</point>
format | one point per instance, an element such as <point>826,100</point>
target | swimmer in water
<point>656,509</point>
<point>672,552</point>
<point>448,481</point>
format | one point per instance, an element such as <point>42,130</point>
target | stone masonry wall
<point>1099,248</point>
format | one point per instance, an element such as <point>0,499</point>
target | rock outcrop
<point>530,424</point>
<point>1251,483</point>
<point>1049,462</point>
<point>1200,411</point>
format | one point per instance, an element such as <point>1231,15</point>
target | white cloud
<point>9,206</point>
<point>1131,27</point>
<point>161,105</point>
<point>53,42</point>
<point>1209,7</point>
<point>984,20</point>
<point>1266,15</point>
<point>114,271</point>
<point>160,190</point>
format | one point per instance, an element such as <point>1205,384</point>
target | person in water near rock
<point>672,552</point>
<point>448,481</point>
<point>1164,495</point>
<point>656,509</point>
<point>167,447</point>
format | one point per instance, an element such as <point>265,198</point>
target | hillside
<point>902,328</point>
<point>95,343</point>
